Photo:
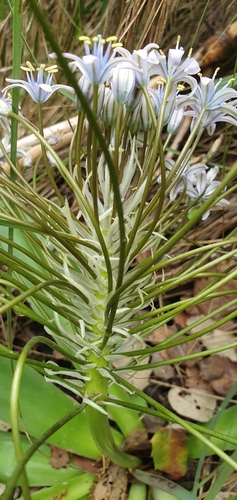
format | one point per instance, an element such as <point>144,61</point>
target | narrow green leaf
<point>226,424</point>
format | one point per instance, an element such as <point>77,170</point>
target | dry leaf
<point>169,451</point>
<point>139,379</point>
<point>59,458</point>
<point>112,484</point>
<point>217,337</point>
<point>194,405</point>
<point>223,384</point>
<point>211,368</point>
<point>194,380</point>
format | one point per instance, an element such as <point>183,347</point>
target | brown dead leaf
<point>211,368</point>
<point>59,458</point>
<point>112,484</point>
<point>217,337</point>
<point>161,333</point>
<point>181,319</point>
<point>223,384</point>
<point>87,464</point>
<point>166,372</point>
<point>195,405</point>
<point>194,379</point>
<point>139,379</point>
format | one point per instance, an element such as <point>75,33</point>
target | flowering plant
<point>79,270</point>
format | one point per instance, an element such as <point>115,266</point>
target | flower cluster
<point>116,84</point>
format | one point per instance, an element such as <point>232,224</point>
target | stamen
<point>28,67</point>
<point>52,69</point>
<point>41,67</point>
<point>111,39</point>
<point>117,44</point>
<point>84,39</point>
<point>178,40</point>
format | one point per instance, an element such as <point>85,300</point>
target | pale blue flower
<point>41,88</point>
<point>144,62</point>
<point>97,65</point>
<point>203,188</point>
<point>212,99</point>
<point>109,110</point>
<point>123,82</point>
<point>174,70</point>
<point>5,109</point>
<point>186,175</point>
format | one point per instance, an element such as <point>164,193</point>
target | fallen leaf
<point>111,485</point>
<point>169,451</point>
<point>59,458</point>
<point>217,337</point>
<point>223,384</point>
<point>139,379</point>
<point>195,380</point>
<point>195,405</point>
<point>211,368</point>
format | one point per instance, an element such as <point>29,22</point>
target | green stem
<point>46,161</point>
<point>96,389</point>
<point>16,61</point>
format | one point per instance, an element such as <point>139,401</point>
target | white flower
<point>123,82</point>
<point>144,62</point>
<point>186,174</point>
<point>203,188</point>
<point>97,66</point>
<point>176,71</point>
<point>212,99</point>
<point>41,88</point>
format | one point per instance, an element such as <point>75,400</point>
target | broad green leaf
<point>42,404</point>
<point>169,451</point>
<point>226,424</point>
<point>72,489</point>
<point>39,470</point>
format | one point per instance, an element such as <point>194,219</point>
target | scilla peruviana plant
<point>86,285</point>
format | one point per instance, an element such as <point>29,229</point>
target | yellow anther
<point>161,80</point>
<point>41,67</point>
<point>180,86</point>
<point>28,67</point>
<point>117,44</point>
<point>95,39</point>
<point>84,38</point>
<point>52,69</point>
<point>111,39</point>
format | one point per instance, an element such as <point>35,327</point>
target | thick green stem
<point>97,390</point>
